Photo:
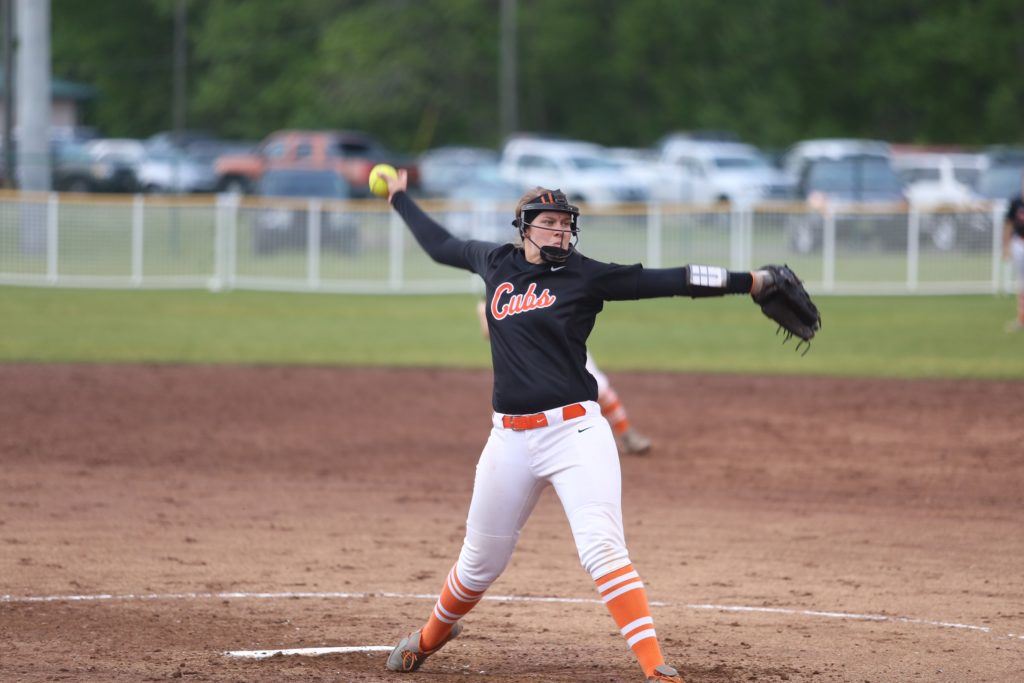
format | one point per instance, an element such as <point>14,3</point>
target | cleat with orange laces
<point>665,674</point>
<point>407,655</point>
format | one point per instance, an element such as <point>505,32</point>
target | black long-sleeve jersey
<point>540,315</point>
<point>1015,214</point>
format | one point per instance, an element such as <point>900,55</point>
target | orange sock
<point>624,595</point>
<point>455,601</point>
<point>613,410</point>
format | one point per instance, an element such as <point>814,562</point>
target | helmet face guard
<point>554,200</point>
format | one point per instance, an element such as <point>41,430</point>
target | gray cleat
<point>665,674</point>
<point>407,655</point>
<point>634,443</point>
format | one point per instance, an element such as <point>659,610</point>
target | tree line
<point>420,73</point>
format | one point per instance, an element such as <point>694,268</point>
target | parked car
<point>864,191</point>
<point>116,164</point>
<point>77,167</point>
<point>728,172</point>
<point>174,171</point>
<point>444,169</point>
<point>805,151</point>
<point>941,186</point>
<point>936,180</point>
<point>582,170</point>
<point>286,226</point>
<point>1001,180</point>
<point>349,154</point>
<point>72,167</point>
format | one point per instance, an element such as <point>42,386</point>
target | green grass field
<point>960,336</point>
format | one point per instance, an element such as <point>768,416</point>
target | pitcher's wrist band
<point>704,281</point>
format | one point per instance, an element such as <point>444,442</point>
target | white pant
<point>580,460</point>
<point>1017,256</point>
<point>602,379</point>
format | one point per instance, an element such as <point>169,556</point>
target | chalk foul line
<point>234,595</point>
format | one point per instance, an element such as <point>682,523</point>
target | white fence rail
<point>226,242</point>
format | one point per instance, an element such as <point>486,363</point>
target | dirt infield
<point>795,529</point>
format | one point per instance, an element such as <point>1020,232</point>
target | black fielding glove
<point>784,299</point>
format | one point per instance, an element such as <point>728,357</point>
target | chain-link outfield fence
<point>224,242</point>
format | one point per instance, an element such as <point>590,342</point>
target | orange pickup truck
<point>351,154</point>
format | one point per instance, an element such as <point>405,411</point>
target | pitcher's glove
<point>784,299</point>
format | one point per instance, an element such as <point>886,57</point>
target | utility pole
<point>507,96</point>
<point>180,64</point>
<point>32,97</point>
<point>178,115</point>
<point>8,57</point>
<point>33,94</point>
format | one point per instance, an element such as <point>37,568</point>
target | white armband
<point>711,277</point>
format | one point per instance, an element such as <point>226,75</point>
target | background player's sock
<point>624,594</point>
<point>613,411</point>
<point>455,601</point>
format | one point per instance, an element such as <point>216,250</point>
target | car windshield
<point>1001,182</point>
<point>169,157</point>
<point>854,175</point>
<point>588,163</point>
<point>70,152</point>
<point>324,184</point>
<point>739,163</point>
<point>915,175</point>
<point>967,176</point>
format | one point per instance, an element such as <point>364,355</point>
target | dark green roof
<point>61,89</point>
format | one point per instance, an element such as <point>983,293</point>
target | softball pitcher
<point>543,297</point>
<point>630,440</point>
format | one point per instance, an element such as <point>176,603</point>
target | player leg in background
<point>1017,256</point>
<point>585,473</point>
<point>631,440</point>
<point>504,494</point>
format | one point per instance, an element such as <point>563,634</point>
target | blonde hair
<point>525,199</point>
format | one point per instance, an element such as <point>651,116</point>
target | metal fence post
<point>828,250</point>
<point>137,239</point>
<point>999,284</point>
<point>220,244</point>
<point>654,225</point>
<point>735,239</point>
<point>913,247</point>
<point>313,243</point>
<point>748,239</point>
<point>52,246</point>
<point>231,275</point>
<point>396,234</point>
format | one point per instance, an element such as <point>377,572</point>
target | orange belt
<point>521,422</point>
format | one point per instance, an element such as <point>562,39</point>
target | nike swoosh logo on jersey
<point>555,269</point>
<point>585,429</point>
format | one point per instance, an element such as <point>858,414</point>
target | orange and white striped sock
<point>613,411</point>
<point>624,594</point>
<point>455,602</point>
